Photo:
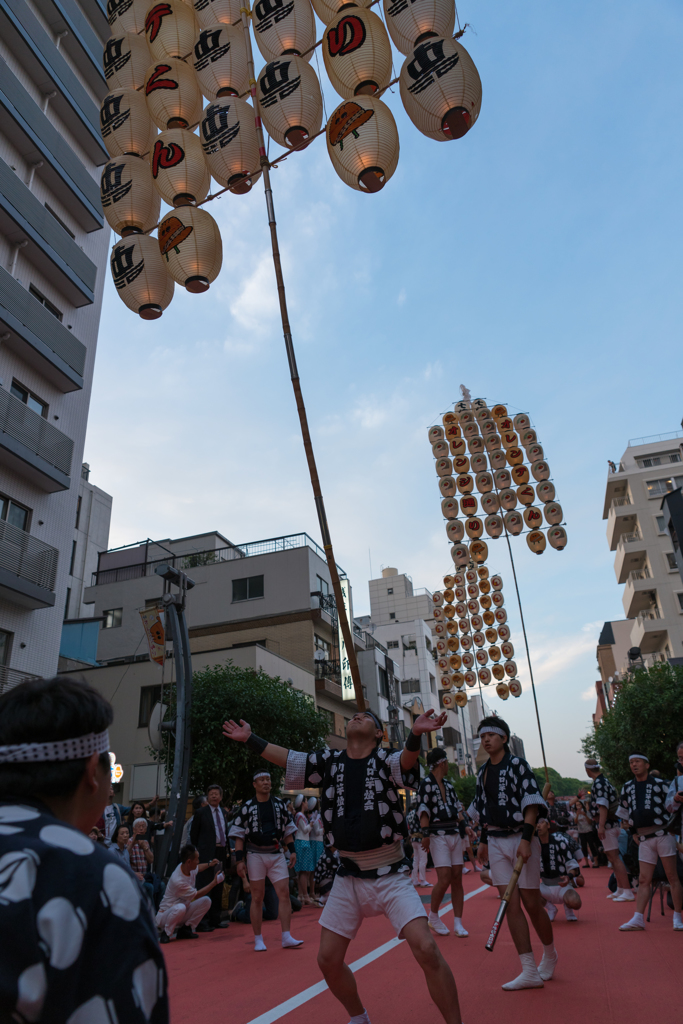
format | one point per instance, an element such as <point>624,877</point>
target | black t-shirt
<point>355,771</point>
<point>644,815</point>
<point>496,816</point>
<point>266,816</point>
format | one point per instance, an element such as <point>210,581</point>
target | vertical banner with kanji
<point>348,691</point>
<point>154,630</point>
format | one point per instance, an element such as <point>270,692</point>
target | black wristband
<point>484,838</point>
<point>256,744</point>
<point>413,742</point>
<point>291,847</point>
<point>528,831</point>
<point>239,855</point>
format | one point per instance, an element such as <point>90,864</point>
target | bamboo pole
<point>347,633</point>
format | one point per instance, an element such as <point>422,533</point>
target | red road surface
<point>603,975</point>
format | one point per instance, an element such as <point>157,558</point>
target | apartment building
<point>644,560</point>
<point>53,253</point>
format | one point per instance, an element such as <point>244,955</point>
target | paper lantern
<point>179,168</point>
<point>520,475</point>
<point>446,682</point>
<point>362,141</point>
<point>471,578</point>
<point>484,676</point>
<point>357,53</point>
<point>515,456</point>
<point>468,505</point>
<point>479,464</point>
<point>208,12</point>
<point>460,698</point>
<point>409,22</point>
<point>441,89</point>
<point>505,424</point>
<point>449,611</point>
<point>527,437</point>
<point>496,582</point>
<point>515,687</point>
<point>450,419</point>
<point>499,412</point>
<point>190,242</point>
<point>540,470</point>
<point>536,541</point>
<point>437,613</point>
<point>494,652</point>
<point>476,444</point>
<point>452,431</point>
<point>492,442</point>
<point>521,421</point>
<point>454,662</point>
<point>437,598</point>
<point>440,450</point>
<point>503,479</point>
<point>533,517</point>
<point>477,622</point>
<point>439,629</point>
<point>125,123</point>
<point>479,638</point>
<point>435,434</point>
<point>464,627</point>
<point>449,508</point>
<point>448,700</point>
<point>557,538</point>
<point>473,606</point>
<point>498,672</point>
<point>553,513</point>
<point>140,276</point>
<point>507,650</point>
<point>127,15</point>
<point>497,598</point>
<point>466,641</point>
<point>442,664</point>
<point>230,144</point>
<point>545,491</point>
<point>500,616</point>
<point>220,61</point>
<point>508,499</point>
<point>470,429</point>
<point>497,459</point>
<point>441,647</point>
<point>459,554</point>
<point>461,464</point>
<point>125,60</point>
<point>327,10</point>
<point>479,551</point>
<point>491,635</point>
<point>170,28</point>
<point>290,100</point>
<point>451,628</point>
<point>487,427</point>
<point>458,446</point>
<point>509,439</point>
<point>526,494</point>
<point>447,486</point>
<point>482,656</point>
<point>172,94</point>
<point>534,453</point>
<point>444,467</point>
<point>471,678</point>
<point>485,601</point>
<point>510,668</point>
<point>503,691</point>
<point>455,531</point>
<point>130,202</point>
<point>503,632</point>
<point>490,504</point>
<point>465,483</point>
<point>283,28</point>
<point>514,523</point>
<point>453,644</point>
<point>484,482</point>
<point>459,579</point>
<point>494,526</point>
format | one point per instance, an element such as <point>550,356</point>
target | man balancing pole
<point>603,807</point>
<point>507,803</point>
<point>363,817</point>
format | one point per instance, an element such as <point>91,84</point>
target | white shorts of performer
<point>611,840</point>
<point>352,899</point>
<point>267,865</point>
<point>180,913</point>
<point>554,893</point>
<point>419,864</point>
<point>658,846</point>
<point>502,857</point>
<point>446,851</point>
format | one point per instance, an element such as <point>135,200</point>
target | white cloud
<point>588,693</point>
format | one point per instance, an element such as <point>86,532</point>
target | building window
<point>432,683</point>
<point>410,686</point>
<point>112,618</point>
<point>6,646</point>
<point>323,586</point>
<point>392,643</point>
<point>149,696</point>
<point>46,302</point>
<point>390,590</point>
<point>322,645</point>
<point>383,682</point>
<point>671,561</point>
<point>29,399</point>
<point>15,515</point>
<point>680,601</point>
<point>451,737</point>
<point>247,589</point>
<point>661,524</point>
<point>73,557</point>
<point>66,603</point>
<point>392,615</point>
<point>78,510</point>
<point>663,486</point>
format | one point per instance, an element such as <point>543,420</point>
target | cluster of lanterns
<point>482,450</point>
<point>164,60</point>
<point>470,625</point>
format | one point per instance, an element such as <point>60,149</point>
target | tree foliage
<point>559,785</point>
<point>273,709</point>
<point>646,718</point>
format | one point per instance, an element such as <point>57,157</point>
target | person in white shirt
<point>183,906</point>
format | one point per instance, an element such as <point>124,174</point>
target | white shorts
<point>502,857</point>
<point>352,899</point>
<point>446,851</point>
<point>554,893</point>
<point>611,840</point>
<point>267,865</point>
<point>658,846</point>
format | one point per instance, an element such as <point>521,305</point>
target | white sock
<point>677,917</point>
<point>259,944</point>
<point>360,1018</point>
<point>619,892</point>
<point>529,978</point>
<point>637,919</point>
<point>550,951</point>
<point>457,921</point>
<point>433,916</point>
<point>286,935</point>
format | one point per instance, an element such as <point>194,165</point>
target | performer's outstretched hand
<point>427,723</point>
<point>233,731</point>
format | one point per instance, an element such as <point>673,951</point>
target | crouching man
<point>183,906</point>
<point>558,868</point>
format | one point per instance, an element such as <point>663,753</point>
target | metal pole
<point>296,383</point>
<point>179,768</point>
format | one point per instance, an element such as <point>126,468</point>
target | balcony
<point>616,488</point>
<point>621,519</point>
<point>10,677</point>
<point>33,447</point>
<point>39,338</point>
<point>631,555</point>
<point>78,40</point>
<point>638,593</point>
<point>28,568</point>
<point>649,632</point>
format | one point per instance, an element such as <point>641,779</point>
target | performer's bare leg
<point>258,891</point>
<point>533,904</point>
<point>621,876</point>
<point>336,973</point>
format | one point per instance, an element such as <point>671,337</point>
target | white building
<point>53,253</point>
<point>644,559</point>
<point>90,536</point>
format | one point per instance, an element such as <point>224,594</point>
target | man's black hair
<point>198,803</point>
<point>435,755</point>
<point>44,711</point>
<point>214,785</point>
<point>497,723</point>
<point>187,852</point>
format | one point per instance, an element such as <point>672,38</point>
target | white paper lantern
<point>130,202</point>
<point>126,59</point>
<point>173,96</point>
<point>441,89</point>
<point>208,12</point>
<point>179,169</point>
<point>170,28</point>
<point>284,28</point>
<point>409,22</point>
<point>190,243</point>
<point>220,61</point>
<point>327,10</point>
<point>357,53</point>
<point>290,100</point>
<point>127,15</point>
<point>230,143</point>
<point>140,276</point>
<point>125,123</point>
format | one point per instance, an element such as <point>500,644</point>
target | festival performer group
<point>69,908</point>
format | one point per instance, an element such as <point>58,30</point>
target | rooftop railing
<point>654,438</point>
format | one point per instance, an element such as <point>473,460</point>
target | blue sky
<point>537,261</point>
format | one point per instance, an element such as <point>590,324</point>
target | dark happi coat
<point>247,823</point>
<point>655,802</point>
<point>438,809</point>
<point>517,790</point>
<point>557,857</point>
<point>603,794</point>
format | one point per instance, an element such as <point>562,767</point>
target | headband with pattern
<point>60,750</point>
<point>641,757</point>
<point>259,775</point>
<point>492,728</point>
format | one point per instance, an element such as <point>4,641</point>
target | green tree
<point>465,788</point>
<point>646,718</point>
<point>273,709</point>
<point>560,785</point>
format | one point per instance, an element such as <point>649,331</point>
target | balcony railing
<point>648,616</point>
<point>627,538</point>
<point>639,574</point>
<point>327,670</point>
<point>27,557</point>
<point>620,502</point>
<point>35,433</point>
<point>10,677</point>
<point>653,438</point>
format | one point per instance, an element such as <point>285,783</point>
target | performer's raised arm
<point>243,734</point>
<point>425,723</point>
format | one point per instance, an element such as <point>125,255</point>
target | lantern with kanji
<point>173,96</point>
<point>290,100</point>
<point>230,145</point>
<point>140,276</point>
<point>179,169</point>
<point>130,202</point>
<point>357,53</point>
<point>441,89</point>
<point>125,123</point>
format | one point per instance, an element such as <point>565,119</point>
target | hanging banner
<point>348,691</point>
<point>154,630</point>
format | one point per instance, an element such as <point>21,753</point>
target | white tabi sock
<point>637,923</point>
<point>546,968</point>
<point>678,921</point>
<point>529,978</point>
<point>619,892</point>
<point>289,942</point>
<point>360,1018</point>
<point>259,944</point>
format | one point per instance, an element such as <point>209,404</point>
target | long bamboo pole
<point>296,383</point>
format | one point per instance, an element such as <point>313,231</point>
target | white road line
<point>310,993</point>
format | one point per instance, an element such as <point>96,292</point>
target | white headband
<point>593,767</point>
<point>641,757</point>
<point>61,750</point>
<point>260,775</point>
<point>492,728</point>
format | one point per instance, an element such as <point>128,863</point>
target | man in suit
<point>209,833</point>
